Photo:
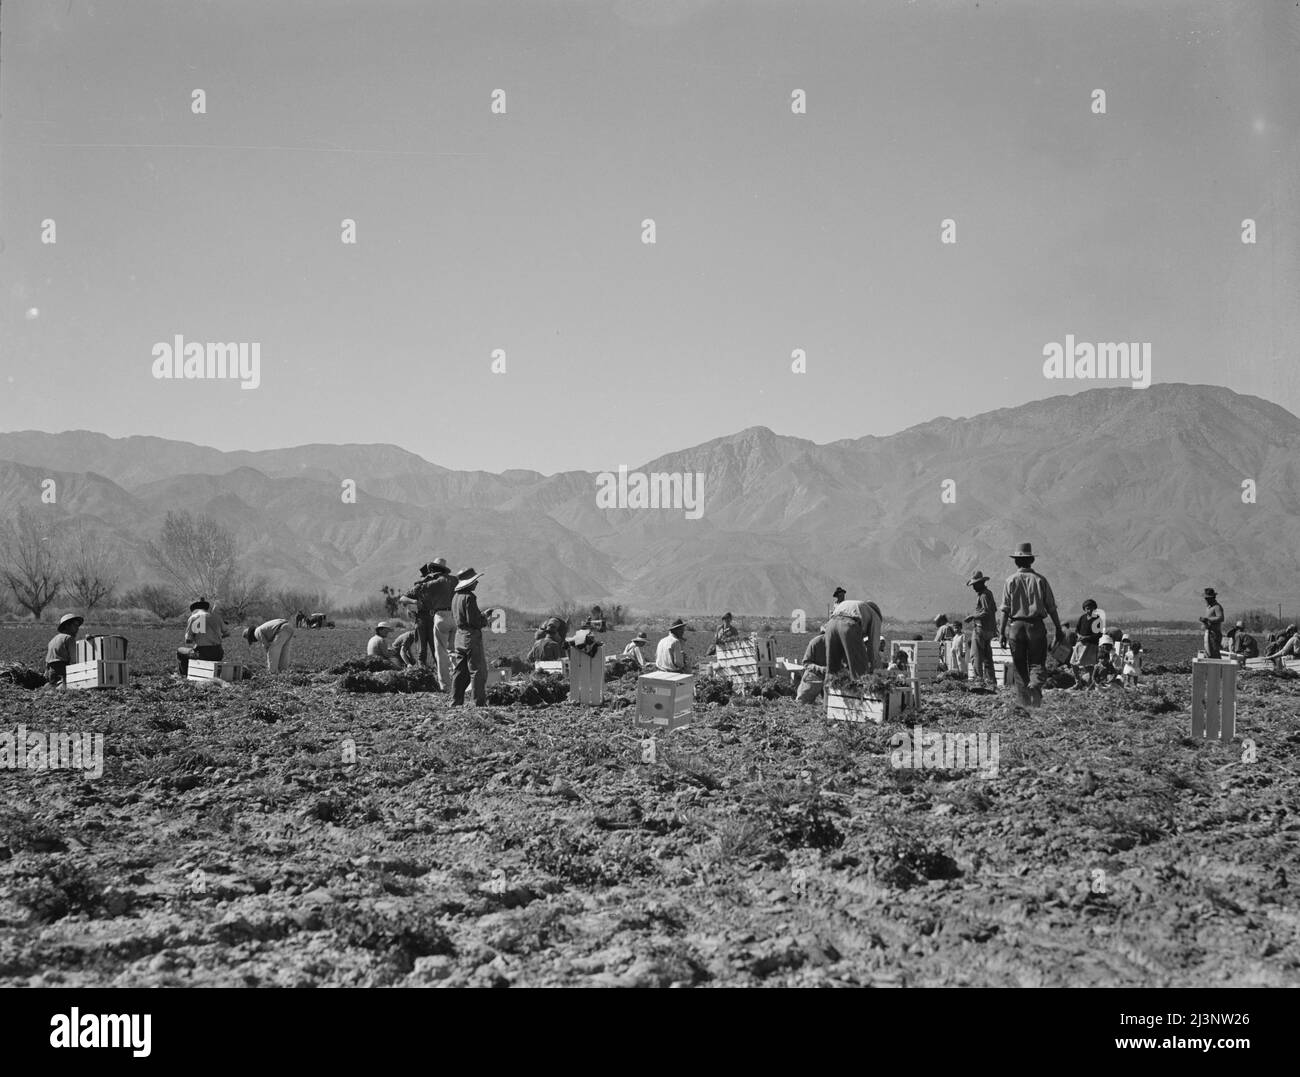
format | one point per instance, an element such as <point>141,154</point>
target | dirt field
<point>229,842</point>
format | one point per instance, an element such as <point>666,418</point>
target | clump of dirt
<point>24,677</point>
<point>540,690</point>
<point>771,688</point>
<point>414,679</point>
<point>712,689</point>
<point>361,665</point>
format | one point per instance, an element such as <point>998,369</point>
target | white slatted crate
<point>559,667</point>
<point>96,675</point>
<point>587,677</point>
<point>101,649</point>
<point>1001,660</point>
<point>922,656</point>
<point>788,671</point>
<point>1255,665</point>
<point>665,701</point>
<point>845,706</point>
<point>200,670</point>
<point>1293,664</point>
<point>1214,699</point>
<point>746,661</point>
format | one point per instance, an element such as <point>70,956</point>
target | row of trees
<point>43,561</point>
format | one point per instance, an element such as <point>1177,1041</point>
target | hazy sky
<point>522,231</point>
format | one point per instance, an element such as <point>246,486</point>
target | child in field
<point>1133,665</point>
<point>59,651</point>
<point>1104,673</point>
<point>899,665</point>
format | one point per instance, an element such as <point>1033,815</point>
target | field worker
<point>277,637</point>
<point>634,652</point>
<point>1288,646</point>
<point>204,632</point>
<point>377,646</point>
<point>1087,637</point>
<point>1213,622</point>
<point>431,599</point>
<point>1027,600</point>
<point>556,628</point>
<point>983,628</point>
<point>471,663</point>
<point>1241,642</point>
<point>402,648</point>
<point>59,651</point>
<point>725,634</point>
<point>670,655</point>
<point>853,637</point>
<point>545,648</point>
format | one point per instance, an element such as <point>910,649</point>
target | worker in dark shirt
<point>1213,622</point>
<point>984,628</point>
<point>59,651</point>
<point>431,598</point>
<point>1027,600</point>
<point>471,663</point>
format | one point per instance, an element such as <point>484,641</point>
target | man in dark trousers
<point>852,633</point>
<point>983,628</point>
<point>204,633</point>
<point>1213,622</point>
<point>1027,600</point>
<point>471,664</point>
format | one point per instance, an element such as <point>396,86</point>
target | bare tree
<point>196,554</point>
<point>31,556</point>
<point>244,594</point>
<point>162,602</point>
<point>91,572</point>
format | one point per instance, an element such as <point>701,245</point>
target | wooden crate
<point>1214,699</point>
<point>1293,664</point>
<point>1001,660</point>
<point>1255,665</point>
<point>788,671</point>
<point>922,656</point>
<point>199,670</point>
<point>96,675</point>
<point>665,701</point>
<point>587,677</point>
<point>497,676</point>
<point>101,649</point>
<point>746,661</point>
<point>850,707</point>
<point>559,667</point>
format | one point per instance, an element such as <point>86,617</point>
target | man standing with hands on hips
<point>1026,600</point>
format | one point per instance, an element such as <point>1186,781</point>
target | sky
<point>522,231</point>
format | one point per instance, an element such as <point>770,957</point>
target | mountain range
<point>1132,496</point>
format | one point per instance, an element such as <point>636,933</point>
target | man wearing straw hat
<point>204,633</point>
<point>471,663</point>
<point>58,652</point>
<point>670,655</point>
<point>983,628</point>
<point>634,652</point>
<point>1027,600</point>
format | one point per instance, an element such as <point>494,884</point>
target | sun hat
<point>979,577</point>
<point>638,638</point>
<point>437,563</point>
<point>1209,592</point>
<point>468,578</point>
<point>678,623</point>
<point>67,618</point>
<point>1025,549</point>
<point>200,604</point>
<point>942,619</point>
<point>1106,641</point>
<point>726,616</point>
<point>838,591</point>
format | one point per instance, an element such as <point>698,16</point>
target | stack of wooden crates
<point>101,663</point>
<point>1001,660</point>
<point>922,656</point>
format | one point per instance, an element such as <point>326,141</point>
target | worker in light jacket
<point>277,637</point>
<point>204,633</point>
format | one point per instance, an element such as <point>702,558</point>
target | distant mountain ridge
<point>1131,496</point>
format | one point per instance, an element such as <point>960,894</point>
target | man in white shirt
<point>670,655</point>
<point>277,637</point>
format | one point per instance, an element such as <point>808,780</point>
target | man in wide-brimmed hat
<point>1027,601</point>
<point>725,633</point>
<point>377,645</point>
<point>984,628</point>
<point>670,655</point>
<point>1241,642</point>
<point>471,663</point>
<point>204,633</point>
<point>1213,622</point>
<point>430,602</point>
<point>59,651</point>
<point>634,652</point>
